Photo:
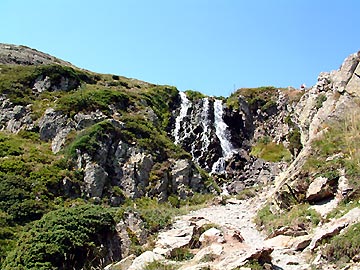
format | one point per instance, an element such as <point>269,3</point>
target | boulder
<point>141,261</point>
<point>345,74</point>
<point>51,123</point>
<point>334,227</point>
<point>135,173</point>
<point>85,120</point>
<point>124,264</point>
<point>301,242</point>
<point>212,235</point>
<point>95,178</point>
<point>174,239</point>
<point>209,253</point>
<point>321,188</point>
<point>263,255</point>
<point>180,173</point>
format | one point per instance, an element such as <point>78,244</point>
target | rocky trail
<point>224,236</point>
<point>238,215</point>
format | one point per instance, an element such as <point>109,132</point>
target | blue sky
<point>212,46</point>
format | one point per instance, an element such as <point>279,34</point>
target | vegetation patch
<point>344,247</point>
<point>262,98</point>
<point>89,140</point>
<point>147,136</point>
<point>342,139</point>
<point>320,100</point>
<point>17,81</point>
<point>90,99</point>
<point>63,239</point>
<point>30,177</point>
<point>271,151</point>
<point>194,95</point>
<point>160,265</point>
<point>297,215</point>
<point>161,99</point>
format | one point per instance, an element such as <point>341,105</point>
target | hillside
<point>93,166</point>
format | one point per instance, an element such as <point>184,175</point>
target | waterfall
<point>205,134</point>
<point>185,105</point>
<point>221,131</point>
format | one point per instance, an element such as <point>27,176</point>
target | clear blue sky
<point>210,46</point>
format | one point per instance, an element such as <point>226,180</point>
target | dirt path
<point>239,215</point>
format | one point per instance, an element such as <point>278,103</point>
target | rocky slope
<point>71,137</point>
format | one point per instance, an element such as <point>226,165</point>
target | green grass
<point>296,215</point>
<point>91,99</point>
<point>343,247</point>
<point>160,265</point>
<point>261,97</point>
<point>194,95</point>
<point>271,151</point>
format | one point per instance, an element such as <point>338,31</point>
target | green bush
<point>342,248</point>
<point>89,140</point>
<point>262,98</point>
<point>88,100</point>
<point>160,99</point>
<point>68,238</point>
<point>194,95</point>
<point>320,100</point>
<point>294,138</point>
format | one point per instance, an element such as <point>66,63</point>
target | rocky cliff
<point>70,137</point>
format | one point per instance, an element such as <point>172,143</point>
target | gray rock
<point>51,123</point>
<point>334,227</point>
<point>212,235</point>
<point>140,262</point>
<point>85,120</point>
<point>22,55</point>
<point>95,178</point>
<point>321,188</point>
<point>42,84</point>
<point>134,172</point>
<point>180,173</point>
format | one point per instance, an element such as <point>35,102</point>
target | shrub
<point>294,138</point>
<point>159,265</point>
<point>343,247</point>
<point>160,99</point>
<point>320,100</point>
<point>89,140</point>
<point>262,98</point>
<point>63,239</point>
<point>194,95</point>
<point>88,99</point>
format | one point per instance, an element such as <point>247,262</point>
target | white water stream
<point>185,105</point>
<point>201,116</point>
<point>221,131</point>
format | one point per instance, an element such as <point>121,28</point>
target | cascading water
<point>196,126</point>
<point>185,105</point>
<point>205,134</point>
<point>221,131</point>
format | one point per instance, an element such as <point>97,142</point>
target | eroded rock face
<point>51,123</point>
<point>13,118</point>
<point>332,98</point>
